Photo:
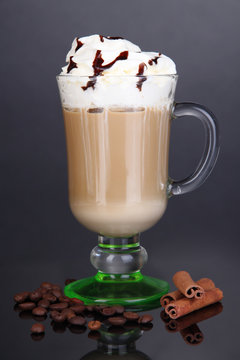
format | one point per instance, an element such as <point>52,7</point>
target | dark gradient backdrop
<point>40,239</point>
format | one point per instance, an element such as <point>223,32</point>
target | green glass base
<point>134,291</point>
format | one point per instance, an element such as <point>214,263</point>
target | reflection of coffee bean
<point>117,320</point>
<point>22,296</point>
<point>144,319</point>
<point>94,325</point>
<point>58,328</point>
<point>78,309</point>
<point>94,335</point>
<point>27,305</point>
<point>90,308</point>
<point>108,311</point>
<point>39,311</point>
<point>146,327</point>
<point>37,337</point>
<point>59,306</point>
<point>35,295</point>
<point>39,318</point>
<point>37,328</point>
<point>27,314</point>
<point>69,281</point>
<point>119,309</point>
<point>77,320</point>
<point>130,315</point>
<point>75,329</point>
<point>116,330</point>
<point>53,313</point>
<point>44,303</point>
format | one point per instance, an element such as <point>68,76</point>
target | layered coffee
<point>117,167</point>
<point>117,104</point>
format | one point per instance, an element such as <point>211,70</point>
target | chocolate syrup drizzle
<point>154,60</point>
<point>79,45</point>
<point>140,73</point>
<point>98,68</point>
<point>71,65</point>
<point>109,37</point>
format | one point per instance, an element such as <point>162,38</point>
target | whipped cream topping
<point>103,66</point>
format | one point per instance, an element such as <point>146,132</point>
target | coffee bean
<point>50,297</point>
<point>130,315</point>
<point>94,335</point>
<point>35,295</point>
<point>75,301</point>
<point>64,299</point>
<point>108,311</point>
<point>46,285</point>
<point>78,309</point>
<point>99,308</point>
<point>119,309</point>
<point>77,320</point>
<point>69,281</point>
<point>59,317</point>
<point>22,296</point>
<point>37,328</point>
<point>44,303</point>
<point>53,313</point>
<point>145,319</point>
<point>42,291</point>
<point>27,305</point>
<point>90,308</point>
<point>57,293</point>
<point>39,311</point>
<point>117,320</point>
<point>94,325</point>
<point>56,287</point>
<point>68,313</point>
<point>59,306</point>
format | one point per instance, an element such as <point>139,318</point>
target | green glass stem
<point>119,279</point>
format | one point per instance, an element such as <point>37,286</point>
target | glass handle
<point>211,149</point>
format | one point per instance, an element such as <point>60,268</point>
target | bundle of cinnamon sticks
<point>190,295</point>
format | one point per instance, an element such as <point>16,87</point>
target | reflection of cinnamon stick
<point>164,316</point>
<point>184,306</point>
<point>192,335</point>
<point>185,284</point>
<point>195,317</point>
<point>205,283</point>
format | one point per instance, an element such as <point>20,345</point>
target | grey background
<point>40,239</point>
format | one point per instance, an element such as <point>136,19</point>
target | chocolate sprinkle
<point>71,65</point>
<point>90,83</point>
<point>110,37</point>
<point>140,73</point>
<point>79,44</point>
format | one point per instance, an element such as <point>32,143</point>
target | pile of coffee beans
<point>49,299</point>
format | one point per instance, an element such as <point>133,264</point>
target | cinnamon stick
<point>184,306</point>
<point>185,284</point>
<point>192,335</point>
<point>193,318</point>
<point>205,283</point>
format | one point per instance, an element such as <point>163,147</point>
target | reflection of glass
<point>118,177</point>
<point>112,346</point>
<point>186,325</point>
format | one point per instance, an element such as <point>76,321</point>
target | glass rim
<point>70,76</point>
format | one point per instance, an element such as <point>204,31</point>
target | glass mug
<point>117,150</point>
